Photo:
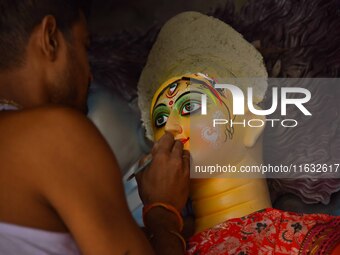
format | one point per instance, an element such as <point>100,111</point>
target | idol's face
<point>177,110</point>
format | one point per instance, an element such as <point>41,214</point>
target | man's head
<point>48,39</point>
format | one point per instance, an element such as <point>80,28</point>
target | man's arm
<point>166,181</point>
<point>77,174</point>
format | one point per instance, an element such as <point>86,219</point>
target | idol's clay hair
<point>207,52</point>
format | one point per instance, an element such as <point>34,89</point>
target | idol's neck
<point>216,200</point>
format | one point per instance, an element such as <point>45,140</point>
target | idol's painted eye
<point>190,107</point>
<point>161,120</point>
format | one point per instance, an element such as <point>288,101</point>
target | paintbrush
<point>147,161</point>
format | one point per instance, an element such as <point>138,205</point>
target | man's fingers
<point>154,148</point>
<point>177,149</point>
<point>144,159</point>
<point>138,177</point>
<point>166,142</point>
<point>186,160</point>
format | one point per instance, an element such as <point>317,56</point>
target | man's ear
<point>49,37</point>
<point>252,134</point>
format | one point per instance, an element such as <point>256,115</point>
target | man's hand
<point>167,179</point>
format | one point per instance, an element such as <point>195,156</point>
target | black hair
<point>18,18</point>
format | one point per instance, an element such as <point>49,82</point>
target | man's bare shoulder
<point>52,134</point>
<point>46,124</point>
<point>55,147</point>
<point>60,159</point>
<point>44,118</point>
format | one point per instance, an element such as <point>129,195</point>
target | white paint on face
<point>214,136</point>
<point>209,135</point>
<point>219,115</point>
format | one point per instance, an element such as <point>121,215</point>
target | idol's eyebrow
<point>188,92</point>
<point>158,106</point>
<point>162,92</point>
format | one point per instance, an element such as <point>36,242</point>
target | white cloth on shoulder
<point>6,107</point>
<point>18,240</point>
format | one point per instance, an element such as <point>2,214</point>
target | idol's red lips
<point>183,141</point>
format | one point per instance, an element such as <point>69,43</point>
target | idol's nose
<point>173,125</point>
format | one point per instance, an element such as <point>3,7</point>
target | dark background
<point>114,16</point>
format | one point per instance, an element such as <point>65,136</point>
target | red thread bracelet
<point>168,207</point>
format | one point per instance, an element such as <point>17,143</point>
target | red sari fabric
<point>270,232</point>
